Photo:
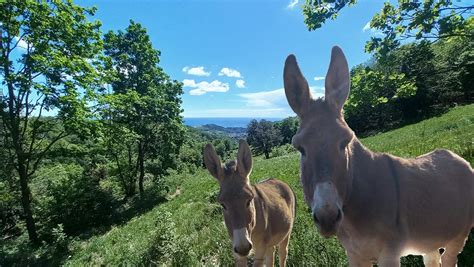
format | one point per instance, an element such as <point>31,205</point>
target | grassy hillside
<point>189,229</point>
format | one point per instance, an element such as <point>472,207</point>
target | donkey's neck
<point>261,222</point>
<point>374,189</point>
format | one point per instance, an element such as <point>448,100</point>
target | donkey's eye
<point>301,150</point>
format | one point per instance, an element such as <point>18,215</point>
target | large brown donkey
<point>380,206</point>
<point>259,216</point>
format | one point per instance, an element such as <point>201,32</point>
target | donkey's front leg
<point>259,257</point>
<point>389,257</point>
<point>240,261</point>
<point>389,260</point>
<point>270,257</point>
<point>357,261</point>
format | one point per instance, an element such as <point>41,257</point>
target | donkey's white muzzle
<point>327,212</point>
<point>241,242</point>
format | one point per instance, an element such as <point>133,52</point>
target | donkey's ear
<point>213,162</point>
<point>244,159</point>
<point>337,80</point>
<point>296,87</point>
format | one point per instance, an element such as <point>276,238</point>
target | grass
<point>189,230</point>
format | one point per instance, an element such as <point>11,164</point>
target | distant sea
<point>224,122</point>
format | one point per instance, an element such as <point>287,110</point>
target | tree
<point>316,12</point>
<point>262,136</point>
<point>428,20</point>
<point>287,128</point>
<point>144,105</point>
<point>454,65</point>
<point>46,53</point>
<point>374,95</point>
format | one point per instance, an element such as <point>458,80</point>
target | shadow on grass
<point>20,252</point>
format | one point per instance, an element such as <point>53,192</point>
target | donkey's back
<point>278,202</point>
<point>437,187</point>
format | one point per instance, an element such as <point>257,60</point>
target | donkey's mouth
<point>327,232</point>
<point>327,229</point>
<point>243,252</point>
<point>328,226</point>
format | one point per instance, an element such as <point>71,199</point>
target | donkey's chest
<point>357,243</point>
<point>369,239</point>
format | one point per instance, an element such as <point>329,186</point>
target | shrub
<point>68,200</point>
<point>282,151</point>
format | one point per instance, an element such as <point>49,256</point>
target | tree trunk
<point>26,204</point>
<point>132,174</point>
<point>21,165</point>
<point>141,160</point>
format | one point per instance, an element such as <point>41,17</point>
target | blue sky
<point>230,54</point>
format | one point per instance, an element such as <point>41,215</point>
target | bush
<point>68,200</point>
<point>282,151</point>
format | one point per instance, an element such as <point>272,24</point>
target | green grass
<point>189,230</point>
<point>453,130</point>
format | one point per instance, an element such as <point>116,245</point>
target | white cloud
<point>21,44</point>
<point>205,87</point>
<point>264,104</point>
<point>319,78</point>
<point>292,4</point>
<point>189,83</point>
<point>275,98</point>
<point>366,27</point>
<point>265,99</point>
<point>230,73</point>
<point>198,71</point>
<point>373,31</point>
<point>240,83</point>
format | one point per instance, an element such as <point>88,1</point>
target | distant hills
<point>234,132</point>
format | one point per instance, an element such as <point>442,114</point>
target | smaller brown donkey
<point>259,216</point>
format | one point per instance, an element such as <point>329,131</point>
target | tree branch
<point>20,38</point>
<point>41,155</point>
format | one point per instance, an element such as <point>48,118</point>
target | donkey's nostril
<point>243,251</point>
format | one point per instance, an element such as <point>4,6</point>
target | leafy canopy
<point>411,19</point>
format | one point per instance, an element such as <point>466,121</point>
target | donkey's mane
<point>230,166</point>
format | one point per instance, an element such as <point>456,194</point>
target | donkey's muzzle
<point>243,250</point>
<point>327,222</point>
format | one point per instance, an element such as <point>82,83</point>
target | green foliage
<point>316,12</point>
<point>47,55</point>
<point>282,150</point>
<point>142,113</point>
<point>428,20</point>
<point>190,155</point>
<point>68,198</point>
<point>287,128</point>
<point>373,94</point>
<point>407,82</point>
<point>262,136</point>
<point>415,82</point>
<point>455,58</point>
<point>417,20</point>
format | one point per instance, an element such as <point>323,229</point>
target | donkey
<point>379,206</point>
<point>259,216</point>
